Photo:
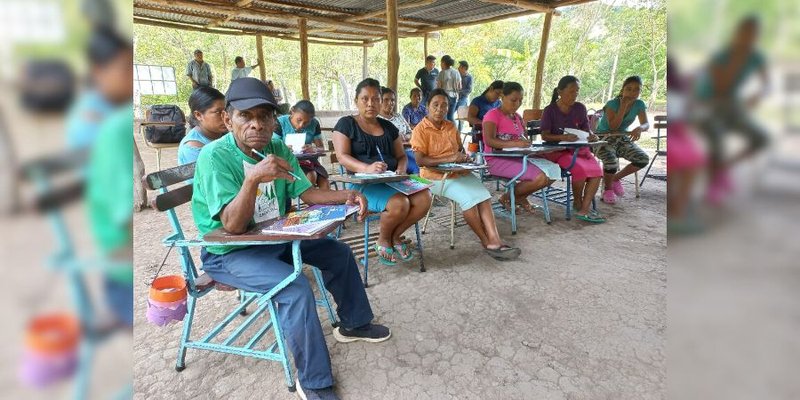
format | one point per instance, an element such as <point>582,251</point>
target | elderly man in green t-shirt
<point>235,188</point>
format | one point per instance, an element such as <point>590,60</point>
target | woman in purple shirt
<point>565,112</point>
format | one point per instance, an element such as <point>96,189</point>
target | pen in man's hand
<point>264,157</point>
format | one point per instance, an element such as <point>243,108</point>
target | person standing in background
<point>466,87</point>
<point>450,81</point>
<point>283,107</point>
<point>240,71</point>
<point>199,72</point>
<point>425,79</point>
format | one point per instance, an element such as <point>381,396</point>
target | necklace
<point>513,118</point>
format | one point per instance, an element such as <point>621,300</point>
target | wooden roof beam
<point>421,32</point>
<point>219,8</point>
<point>238,32</point>
<point>241,4</point>
<point>526,5</point>
<point>382,12</point>
<point>345,15</point>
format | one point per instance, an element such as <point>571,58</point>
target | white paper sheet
<point>296,141</point>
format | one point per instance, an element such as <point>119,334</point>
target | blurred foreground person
<point>685,161</point>
<point>111,59</point>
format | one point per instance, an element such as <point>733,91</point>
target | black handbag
<point>47,86</point>
<point>165,134</point>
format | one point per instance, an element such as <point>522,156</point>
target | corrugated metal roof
<point>342,20</point>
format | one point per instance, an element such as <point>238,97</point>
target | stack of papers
<point>583,136</point>
<point>295,141</point>
<point>518,148</point>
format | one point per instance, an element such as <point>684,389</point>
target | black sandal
<point>504,253</point>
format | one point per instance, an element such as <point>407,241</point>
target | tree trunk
<point>304,57</point>
<point>613,74</point>
<point>347,101</point>
<point>139,192</point>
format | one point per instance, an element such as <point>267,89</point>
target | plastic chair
<point>510,184</point>
<point>199,285</point>
<point>452,215</point>
<point>376,217</point>
<point>660,123</point>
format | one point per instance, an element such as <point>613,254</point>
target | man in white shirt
<point>240,71</point>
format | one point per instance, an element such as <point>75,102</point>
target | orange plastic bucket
<point>53,333</point>
<point>168,289</point>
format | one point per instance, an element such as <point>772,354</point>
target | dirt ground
<point>581,315</point>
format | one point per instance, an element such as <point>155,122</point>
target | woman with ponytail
<point>206,105</point>
<point>565,111</point>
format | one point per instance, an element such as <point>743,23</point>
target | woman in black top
<point>366,144</point>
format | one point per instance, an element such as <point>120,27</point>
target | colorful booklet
<point>412,185</point>
<point>310,220</point>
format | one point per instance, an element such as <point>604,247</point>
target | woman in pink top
<point>503,128</point>
<point>565,112</point>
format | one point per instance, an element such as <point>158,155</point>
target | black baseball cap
<point>246,93</point>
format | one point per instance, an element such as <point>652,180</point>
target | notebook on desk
<point>460,166</point>
<point>411,185</point>
<point>369,175</point>
<point>311,220</point>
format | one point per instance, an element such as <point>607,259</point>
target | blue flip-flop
<point>383,260</point>
<point>403,249</point>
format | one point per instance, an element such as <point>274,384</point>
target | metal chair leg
<point>452,224</point>
<point>279,338</point>
<point>425,224</point>
<point>241,301</point>
<point>86,353</point>
<point>653,160</point>
<point>180,364</point>
<point>568,205</point>
<point>323,292</point>
<point>366,253</point>
<point>419,248</point>
<point>546,206</point>
<point>510,188</point>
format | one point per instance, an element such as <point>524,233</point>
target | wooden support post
<point>262,69</point>
<point>304,57</point>
<point>364,65</point>
<point>537,91</point>
<point>393,62</point>
<point>425,46</point>
<point>139,191</point>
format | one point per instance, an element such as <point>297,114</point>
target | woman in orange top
<point>435,141</point>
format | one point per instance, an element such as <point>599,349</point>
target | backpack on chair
<point>165,134</point>
<point>594,119</point>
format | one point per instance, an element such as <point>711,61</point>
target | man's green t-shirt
<point>109,191</point>
<point>219,175</point>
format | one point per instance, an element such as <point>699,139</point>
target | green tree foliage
<point>584,41</point>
